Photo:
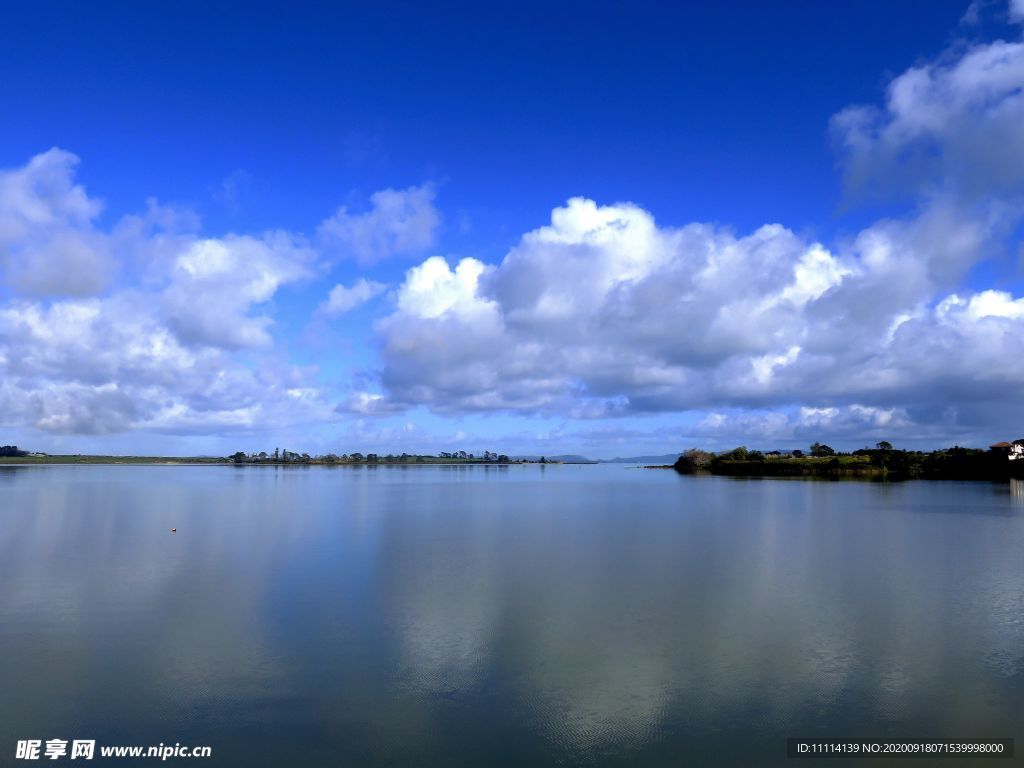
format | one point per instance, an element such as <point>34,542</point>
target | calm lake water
<point>503,616</point>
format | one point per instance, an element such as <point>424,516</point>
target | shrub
<point>694,460</point>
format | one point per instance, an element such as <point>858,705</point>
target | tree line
<point>883,460</point>
<point>290,457</point>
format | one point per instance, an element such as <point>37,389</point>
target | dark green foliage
<point>11,450</point>
<point>736,454</point>
<point>882,461</point>
<point>291,457</point>
<point>694,460</point>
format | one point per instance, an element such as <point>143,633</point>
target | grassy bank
<point>955,463</point>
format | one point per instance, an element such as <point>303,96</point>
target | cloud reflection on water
<point>596,613</point>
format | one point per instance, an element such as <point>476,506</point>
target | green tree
<point>736,454</point>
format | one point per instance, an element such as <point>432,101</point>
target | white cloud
<point>136,327</point>
<point>948,127</point>
<point>399,223</point>
<point>603,312</point>
<point>99,366</point>
<point>344,299</point>
<point>601,304</point>
<point>432,289</point>
<point>43,193</point>
<point>216,283</point>
<point>800,426</point>
<point>1017,10</point>
<point>367,404</point>
<point>47,241</point>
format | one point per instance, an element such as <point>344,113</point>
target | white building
<point>1013,451</point>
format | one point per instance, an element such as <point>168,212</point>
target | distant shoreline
<point>74,459</point>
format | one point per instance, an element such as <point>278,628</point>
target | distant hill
<point>568,458</point>
<point>665,458</point>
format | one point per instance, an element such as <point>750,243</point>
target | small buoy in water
<point>174,530</point>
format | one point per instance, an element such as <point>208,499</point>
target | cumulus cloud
<point>344,299</point>
<point>148,325</point>
<point>399,223</point>
<point>43,193</point>
<point>603,304</point>
<point>138,326</point>
<point>216,283</point>
<point>604,312</point>
<point>47,241</point>
<point>367,404</point>
<point>804,424</point>
<point>100,366</point>
<point>951,126</point>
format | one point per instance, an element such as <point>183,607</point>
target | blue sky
<point>656,227</point>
